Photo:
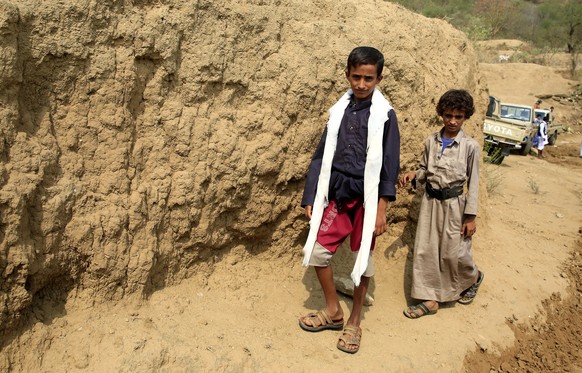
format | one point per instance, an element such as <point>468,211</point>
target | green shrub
<point>492,154</point>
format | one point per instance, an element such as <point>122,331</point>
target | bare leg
<point>332,305</point>
<point>356,314</point>
<point>359,297</point>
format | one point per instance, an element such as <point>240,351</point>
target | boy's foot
<point>421,309</point>
<point>320,320</point>
<point>468,295</point>
<point>350,340</point>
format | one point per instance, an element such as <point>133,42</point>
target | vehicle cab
<point>508,126</point>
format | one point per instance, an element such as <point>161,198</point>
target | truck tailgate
<point>503,130</point>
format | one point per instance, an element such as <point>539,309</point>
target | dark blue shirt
<point>347,173</point>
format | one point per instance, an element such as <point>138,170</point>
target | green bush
<point>492,154</point>
<point>554,24</point>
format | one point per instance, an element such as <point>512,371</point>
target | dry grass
<point>494,179</point>
<point>533,185</point>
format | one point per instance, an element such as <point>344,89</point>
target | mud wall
<point>143,140</point>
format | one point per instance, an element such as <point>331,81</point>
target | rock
<point>483,343</point>
<point>346,286</point>
<point>506,367</point>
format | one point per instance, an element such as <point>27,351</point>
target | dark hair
<point>456,99</point>
<point>366,56</point>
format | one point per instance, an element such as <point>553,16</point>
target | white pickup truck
<point>507,127</point>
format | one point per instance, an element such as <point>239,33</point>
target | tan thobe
<point>443,262</point>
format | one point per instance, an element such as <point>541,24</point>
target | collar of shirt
<point>354,105</point>
<point>457,139</point>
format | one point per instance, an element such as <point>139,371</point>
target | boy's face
<point>363,80</point>
<point>453,120</point>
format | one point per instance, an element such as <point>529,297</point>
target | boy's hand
<point>409,176</point>
<point>469,226</point>
<point>380,223</point>
<point>381,216</point>
<point>308,211</point>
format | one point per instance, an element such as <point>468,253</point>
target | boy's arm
<point>421,172</point>
<point>469,226</point>
<point>313,173</point>
<point>391,159</point>
<point>472,179</point>
<point>390,170</point>
<point>381,216</point>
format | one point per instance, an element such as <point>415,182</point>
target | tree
<point>564,26</point>
<point>573,19</point>
<point>496,13</point>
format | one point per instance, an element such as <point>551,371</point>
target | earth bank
<point>144,142</point>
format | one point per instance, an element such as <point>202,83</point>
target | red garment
<point>337,224</point>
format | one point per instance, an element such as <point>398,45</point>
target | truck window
<point>512,112</point>
<point>545,115</point>
<point>505,112</point>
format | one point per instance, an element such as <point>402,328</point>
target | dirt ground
<point>549,344</point>
<point>243,317</point>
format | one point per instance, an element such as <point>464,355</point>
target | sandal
<point>323,321</point>
<point>351,337</point>
<point>410,312</point>
<point>468,295</point>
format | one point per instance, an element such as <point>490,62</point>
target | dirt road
<point>244,316</point>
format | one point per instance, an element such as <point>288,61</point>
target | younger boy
<point>542,134</point>
<point>351,178</point>
<point>443,268</point>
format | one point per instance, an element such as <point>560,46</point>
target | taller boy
<point>351,178</point>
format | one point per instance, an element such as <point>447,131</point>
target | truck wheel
<point>498,159</point>
<point>552,139</point>
<point>525,147</point>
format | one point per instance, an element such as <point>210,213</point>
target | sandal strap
<point>351,335</point>
<point>353,329</point>
<point>471,292</point>
<point>320,316</point>
<point>324,318</point>
<point>423,308</point>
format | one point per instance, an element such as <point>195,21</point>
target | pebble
<point>482,342</point>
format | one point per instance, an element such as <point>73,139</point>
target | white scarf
<point>378,116</point>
